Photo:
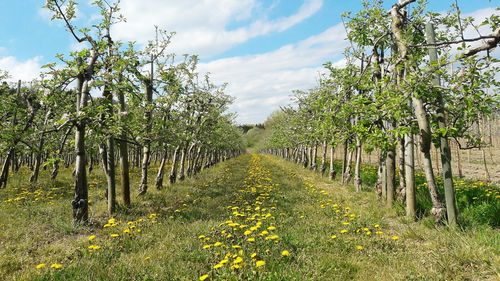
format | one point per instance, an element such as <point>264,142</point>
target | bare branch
<point>447,43</point>
<point>486,46</point>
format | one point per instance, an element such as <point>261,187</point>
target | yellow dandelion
<point>40,266</point>
<point>251,239</point>
<point>91,237</point>
<point>94,247</point>
<point>285,253</point>
<point>56,266</point>
<point>395,238</point>
<point>114,235</point>
<point>344,231</point>
<point>333,236</point>
<point>359,248</point>
<point>203,277</point>
<point>260,263</point>
<point>218,244</point>
<point>219,265</point>
<point>253,255</point>
<point>272,237</point>
<point>207,246</point>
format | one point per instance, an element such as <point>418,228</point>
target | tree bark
<point>182,174</point>
<point>357,168</point>
<point>314,156</point>
<point>449,189</point>
<point>146,150</point>
<point>80,200</point>
<point>391,175</point>
<point>161,170</point>
<point>409,161</point>
<point>402,175</point>
<point>333,173</point>
<point>324,148</point>
<point>173,170</point>
<point>124,160</point>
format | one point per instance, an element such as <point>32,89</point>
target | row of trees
<point>123,105</point>
<point>403,79</point>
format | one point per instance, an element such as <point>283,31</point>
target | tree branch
<point>486,46</point>
<point>446,43</point>
<point>68,24</point>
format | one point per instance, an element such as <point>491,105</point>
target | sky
<point>263,49</point>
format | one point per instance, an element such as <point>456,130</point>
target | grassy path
<point>251,218</point>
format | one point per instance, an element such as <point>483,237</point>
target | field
<point>255,217</point>
<point>249,140</point>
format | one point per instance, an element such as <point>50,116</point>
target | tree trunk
<point>449,189</point>
<point>324,148</point>
<point>409,160</point>
<point>173,170</point>
<point>111,176</point>
<point>357,168</point>
<point>344,163</point>
<point>380,184</point>
<point>401,165</point>
<point>5,169</point>
<point>390,164</point>
<point>333,173</point>
<point>146,150</point>
<point>80,200</point>
<point>459,163</point>
<point>314,156</point>
<point>384,177</point>
<point>103,151</point>
<point>161,170</point>
<point>425,148</point>
<point>182,174</point>
<point>124,160</point>
<point>346,177</point>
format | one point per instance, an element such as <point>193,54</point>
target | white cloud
<point>264,82</point>
<point>24,70</point>
<point>203,27</point>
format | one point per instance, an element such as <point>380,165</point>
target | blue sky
<point>264,49</point>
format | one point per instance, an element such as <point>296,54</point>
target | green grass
<point>478,202</point>
<point>305,208</point>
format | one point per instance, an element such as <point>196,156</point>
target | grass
<point>162,237</point>
<point>477,201</point>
